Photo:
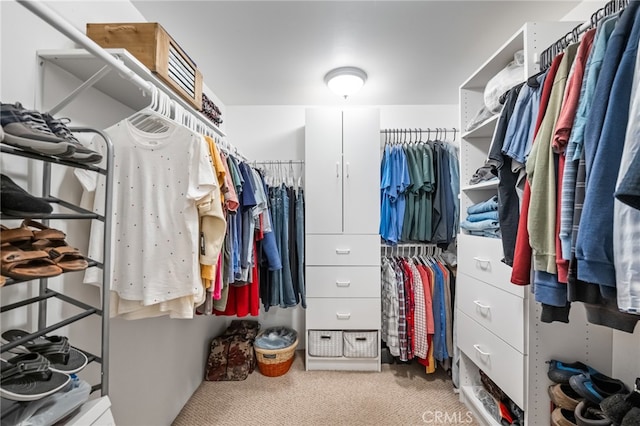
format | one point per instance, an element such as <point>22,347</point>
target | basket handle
<point>113,28</point>
<point>269,356</point>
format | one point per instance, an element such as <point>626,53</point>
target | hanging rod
<point>406,135</point>
<point>573,36</point>
<point>279,162</point>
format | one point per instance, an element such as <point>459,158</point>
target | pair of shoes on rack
<point>40,366</point>
<point>36,251</point>
<point>15,201</point>
<point>42,134</point>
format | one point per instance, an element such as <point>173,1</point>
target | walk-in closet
<point>319,212</point>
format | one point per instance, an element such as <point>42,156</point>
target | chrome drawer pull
<point>343,251</point>
<point>483,263</point>
<point>480,351</point>
<point>343,283</point>
<point>343,316</point>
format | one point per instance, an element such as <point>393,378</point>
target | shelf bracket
<point>91,81</point>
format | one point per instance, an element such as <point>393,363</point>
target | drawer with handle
<point>339,249</point>
<point>343,281</point>
<point>481,258</point>
<point>501,312</point>
<point>343,314</point>
<point>502,363</point>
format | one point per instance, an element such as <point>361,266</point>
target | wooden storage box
<point>155,48</point>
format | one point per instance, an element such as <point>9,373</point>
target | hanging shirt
<point>157,181</point>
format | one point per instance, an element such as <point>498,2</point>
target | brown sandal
<point>42,232</point>
<point>26,265</point>
<point>67,257</point>
<point>15,235</point>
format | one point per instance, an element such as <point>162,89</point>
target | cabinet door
<point>361,152</point>
<point>323,171</point>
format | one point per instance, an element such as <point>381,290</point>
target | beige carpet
<point>399,395</point>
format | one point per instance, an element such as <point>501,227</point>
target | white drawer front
<point>503,364</point>
<point>501,312</point>
<point>342,249</point>
<point>343,314</point>
<point>481,257</point>
<point>343,281</point>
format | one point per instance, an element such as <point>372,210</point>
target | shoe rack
<point>64,210</point>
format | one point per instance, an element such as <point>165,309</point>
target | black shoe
<point>15,201</point>
<point>81,154</point>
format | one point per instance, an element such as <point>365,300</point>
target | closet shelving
<point>67,211</point>
<point>498,326</point>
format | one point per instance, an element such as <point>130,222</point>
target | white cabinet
<point>497,323</point>
<point>342,258</point>
<point>342,165</point>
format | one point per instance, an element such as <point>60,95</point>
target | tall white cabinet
<point>342,209</point>
<point>497,323</point>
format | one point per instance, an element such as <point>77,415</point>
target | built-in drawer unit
<point>338,314</point>
<point>501,312</point>
<point>501,362</point>
<point>343,281</point>
<point>483,260</point>
<point>347,250</point>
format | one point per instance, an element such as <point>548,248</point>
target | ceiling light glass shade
<point>345,81</point>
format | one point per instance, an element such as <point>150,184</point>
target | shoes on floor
<point>562,395</point>
<point>589,414</point>
<point>27,130</point>
<point>560,372</point>
<point>81,153</point>
<point>596,387</point>
<point>16,201</point>
<point>562,417</point>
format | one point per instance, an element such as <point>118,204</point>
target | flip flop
<point>26,265</point>
<point>27,377</point>
<point>63,357</point>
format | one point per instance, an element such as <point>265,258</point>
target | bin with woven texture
<point>275,350</point>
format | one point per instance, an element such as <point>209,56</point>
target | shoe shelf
<point>46,294</point>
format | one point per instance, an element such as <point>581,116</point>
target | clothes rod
<point>414,130</point>
<point>279,162</point>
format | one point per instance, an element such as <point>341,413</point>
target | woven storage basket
<point>275,362</point>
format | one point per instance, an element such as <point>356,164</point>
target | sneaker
<point>589,414</point>
<point>561,372</point>
<point>562,417</point>
<point>15,201</point>
<point>59,128</point>
<point>27,130</point>
<point>596,387</point>
<point>562,395</point>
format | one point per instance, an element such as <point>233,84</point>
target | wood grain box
<point>155,48</point>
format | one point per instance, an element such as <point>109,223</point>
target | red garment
<point>521,272</point>
<point>244,300</point>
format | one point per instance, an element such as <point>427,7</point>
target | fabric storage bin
<point>325,343</point>
<point>360,344</point>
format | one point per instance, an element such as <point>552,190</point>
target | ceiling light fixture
<point>345,81</point>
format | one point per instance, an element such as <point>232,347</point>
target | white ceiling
<point>277,52</point>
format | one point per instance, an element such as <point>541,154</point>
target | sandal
<point>26,265</point>
<point>27,377</point>
<point>66,257</point>
<point>15,235</point>
<point>43,232</point>
<point>63,357</point>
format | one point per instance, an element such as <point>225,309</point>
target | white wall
<point>277,133</point>
<point>155,364</point>
<point>626,363</point>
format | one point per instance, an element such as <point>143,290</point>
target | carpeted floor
<point>399,395</point>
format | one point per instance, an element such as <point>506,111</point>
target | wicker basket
<point>275,362</point>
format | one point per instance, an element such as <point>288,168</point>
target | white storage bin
<point>361,344</point>
<point>325,343</point>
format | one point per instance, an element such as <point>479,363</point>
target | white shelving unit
<point>498,325</point>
